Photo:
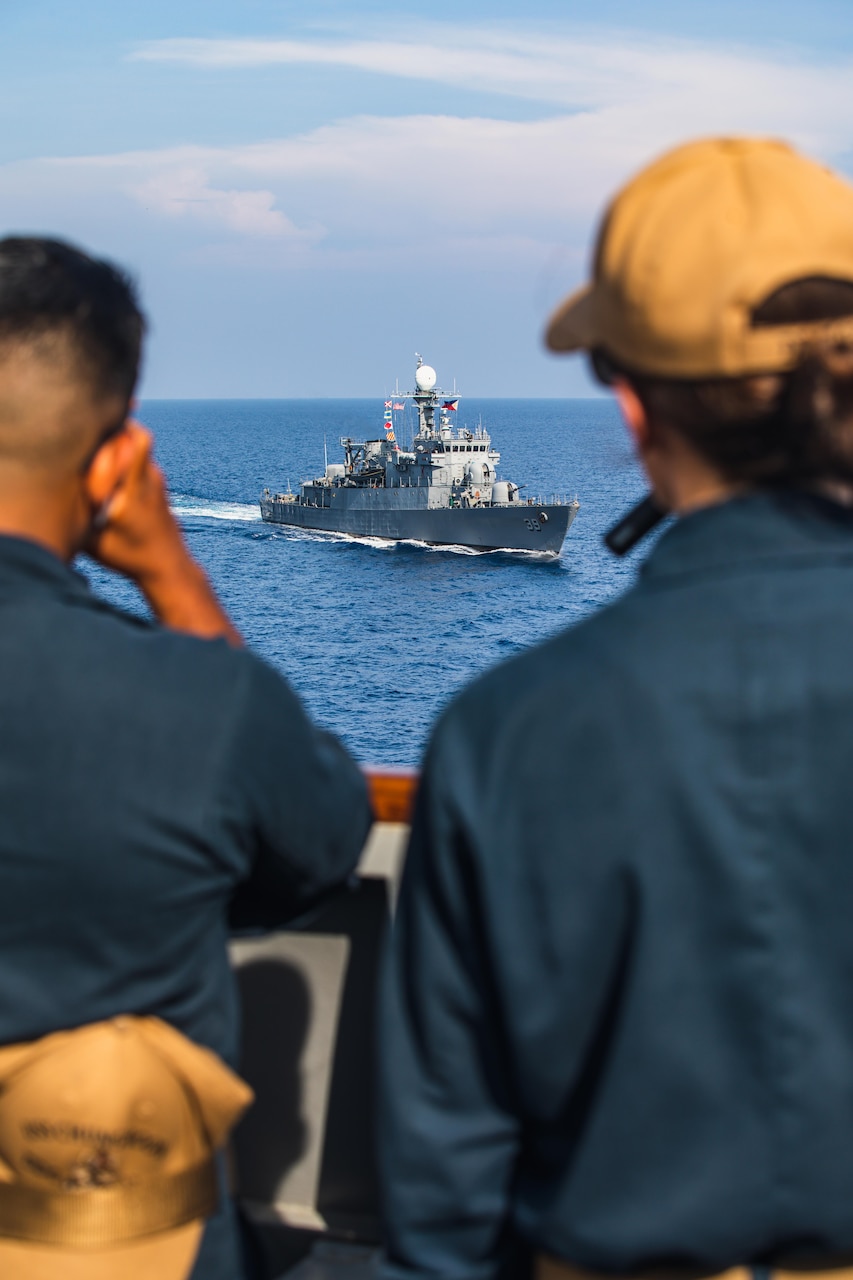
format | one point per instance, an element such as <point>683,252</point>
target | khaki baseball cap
<point>693,244</point>
<point>107,1139</point>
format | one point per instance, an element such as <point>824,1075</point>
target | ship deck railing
<point>542,500</point>
<point>304,1161</point>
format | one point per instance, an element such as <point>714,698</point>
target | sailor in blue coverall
<point>618,1011</point>
<point>157,781</point>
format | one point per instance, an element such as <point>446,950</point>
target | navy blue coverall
<point>150,783</point>
<point>618,1015</point>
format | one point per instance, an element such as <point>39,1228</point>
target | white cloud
<point>476,189</point>
<point>184,191</point>
<point>566,70</point>
<point>442,228</point>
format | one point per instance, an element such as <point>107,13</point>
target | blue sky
<point>308,193</point>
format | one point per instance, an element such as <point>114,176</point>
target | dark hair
<point>49,290</point>
<point>767,429</point>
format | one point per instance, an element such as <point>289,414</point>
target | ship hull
<point>515,527</point>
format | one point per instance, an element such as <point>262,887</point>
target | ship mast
<point>425,397</point>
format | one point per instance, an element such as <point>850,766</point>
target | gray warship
<point>443,490</point>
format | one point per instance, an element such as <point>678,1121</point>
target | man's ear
<point>108,468</point>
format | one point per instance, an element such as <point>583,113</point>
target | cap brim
<point>169,1255</point>
<point>571,326</point>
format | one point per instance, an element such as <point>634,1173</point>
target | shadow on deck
<point>304,1158</point>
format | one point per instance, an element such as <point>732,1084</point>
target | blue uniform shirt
<point>149,783</point>
<point>618,1012</point>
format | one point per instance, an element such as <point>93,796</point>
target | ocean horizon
<point>376,637</point>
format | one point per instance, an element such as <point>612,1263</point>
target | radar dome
<point>425,377</point>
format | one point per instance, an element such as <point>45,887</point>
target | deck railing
<point>392,793</point>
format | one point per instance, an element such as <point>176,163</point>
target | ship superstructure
<point>443,489</point>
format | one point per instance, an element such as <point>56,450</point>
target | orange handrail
<point>392,793</point>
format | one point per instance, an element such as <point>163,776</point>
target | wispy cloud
<point>184,191</point>
<point>481,68</point>
<point>402,209</point>
<point>566,70</point>
<point>468,186</point>
<point>387,181</point>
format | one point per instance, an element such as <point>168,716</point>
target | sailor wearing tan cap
<point>617,1022</point>
<point>157,782</point>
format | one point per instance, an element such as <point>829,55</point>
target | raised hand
<point>134,532</point>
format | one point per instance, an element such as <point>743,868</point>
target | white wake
<point>186,507</point>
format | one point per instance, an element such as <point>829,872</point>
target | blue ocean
<point>376,637</point>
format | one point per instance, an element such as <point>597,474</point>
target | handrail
<point>392,793</point>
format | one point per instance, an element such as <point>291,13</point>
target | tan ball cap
<point>693,244</point>
<point>107,1138</point>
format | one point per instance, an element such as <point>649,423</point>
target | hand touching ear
<point>134,532</point>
